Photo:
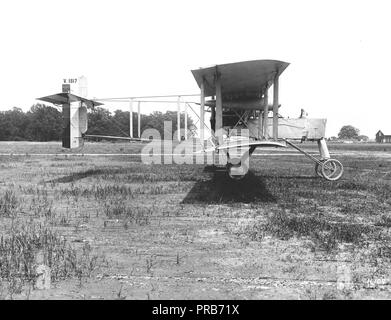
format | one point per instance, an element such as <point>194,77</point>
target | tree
<point>99,122</point>
<point>12,124</point>
<point>44,123</point>
<point>102,122</point>
<point>156,120</point>
<point>363,138</point>
<point>348,132</point>
<point>120,120</point>
<point>41,123</point>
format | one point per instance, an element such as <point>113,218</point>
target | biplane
<point>237,97</point>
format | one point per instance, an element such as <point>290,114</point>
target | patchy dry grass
<point>172,231</point>
<point>8,203</point>
<point>117,209</point>
<point>29,245</point>
<point>324,233</point>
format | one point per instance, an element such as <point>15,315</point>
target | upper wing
<point>241,79</point>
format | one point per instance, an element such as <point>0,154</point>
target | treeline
<point>44,123</point>
<point>40,123</point>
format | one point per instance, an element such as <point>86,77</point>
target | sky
<point>338,51</point>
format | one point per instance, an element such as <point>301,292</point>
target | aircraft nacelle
<point>292,128</point>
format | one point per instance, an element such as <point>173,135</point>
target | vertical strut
<point>131,118</point>
<point>265,113</point>
<point>202,111</point>
<point>185,121</point>
<point>219,108</point>
<point>179,118</point>
<point>138,120</point>
<point>275,108</point>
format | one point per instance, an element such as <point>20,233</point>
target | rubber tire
<point>336,163</point>
<point>318,168</point>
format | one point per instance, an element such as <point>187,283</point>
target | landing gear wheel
<point>318,168</point>
<point>332,169</point>
<point>235,177</point>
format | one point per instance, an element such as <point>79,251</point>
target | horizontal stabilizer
<point>67,98</point>
<point>74,116</point>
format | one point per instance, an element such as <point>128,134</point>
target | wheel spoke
<point>332,169</point>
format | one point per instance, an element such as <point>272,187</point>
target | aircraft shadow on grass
<point>222,189</point>
<point>219,189</point>
<point>84,174</point>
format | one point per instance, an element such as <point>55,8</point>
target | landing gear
<point>235,177</point>
<point>332,169</point>
<point>236,172</point>
<point>238,163</point>
<point>329,169</point>
<point>318,169</point>
<point>319,165</point>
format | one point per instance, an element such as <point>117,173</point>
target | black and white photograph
<point>195,150</point>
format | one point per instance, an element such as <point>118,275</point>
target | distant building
<point>382,138</point>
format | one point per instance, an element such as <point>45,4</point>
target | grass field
<point>111,227</point>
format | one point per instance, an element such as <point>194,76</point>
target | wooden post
<point>202,111</point>
<point>138,120</point>
<point>219,108</point>
<point>275,108</point>
<point>179,119</point>
<point>265,113</point>
<point>131,118</point>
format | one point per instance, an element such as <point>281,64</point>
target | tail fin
<point>75,122</point>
